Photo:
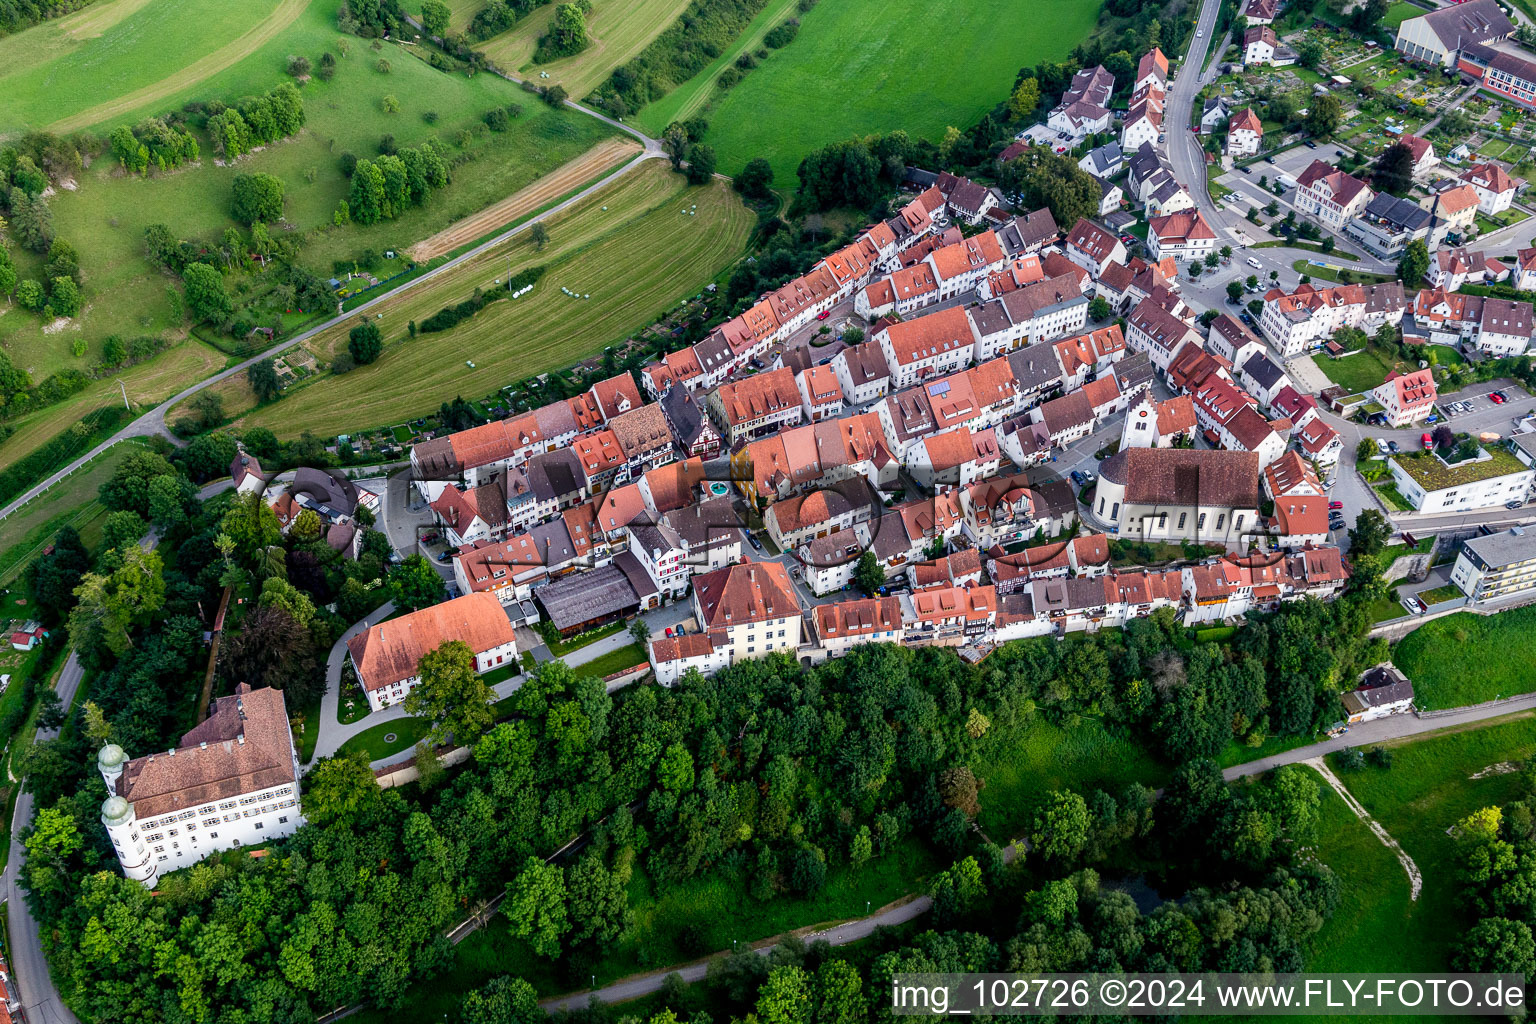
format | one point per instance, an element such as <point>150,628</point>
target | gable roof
<point>390,651</point>
<point>1476,21</point>
<point>1089,238</point>
<point>1246,119</point>
<point>743,593</point>
<point>925,336</point>
<point>1176,476</point>
<point>1490,176</point>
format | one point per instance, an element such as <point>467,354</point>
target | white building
<point>1244,133</point>
<point>1330,196</point>
<point>387,656</point>
<point>233,781</point>
<point>1495,188</point>
<point>1498,566</point>
<point>749,609</point>
<point>1184,236</point>
<point>1438,36</point>
<point>1172,494</point>
<point>1489,480</point>
<point>928,346</point>
<point>1092,247</point>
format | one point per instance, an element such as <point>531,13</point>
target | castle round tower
<point>110,763</point>
<point>123,829</point>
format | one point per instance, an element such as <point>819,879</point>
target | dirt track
<point>568,177</point>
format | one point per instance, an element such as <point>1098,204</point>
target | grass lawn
<point>1425,792</point>
<point>1384,608</point>
<point>625,657</point>
<point>1329,274</point>
<point>106,216</point>
<point>619,29</point>
<point>1399,13</point>
<point>1393,497</point>
<point>406,732</point>
<point>1239,753</point>
<point>1449,592</point>
<point>1366,930</point>
<point>71,502</point>
<point>1022,764</point>
<point>635,258</point>
<point>864,53</point>
<point>1356,373</point>
<point>57,72</point>
<point>1467,659</point>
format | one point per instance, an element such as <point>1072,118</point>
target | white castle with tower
<point>233,781</point>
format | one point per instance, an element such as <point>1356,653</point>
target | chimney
<point>241,738</point>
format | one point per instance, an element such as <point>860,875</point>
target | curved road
<point>152,423</point>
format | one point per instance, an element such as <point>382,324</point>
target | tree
<point>1061,826</point>
<point>1497,945</point>
<point>298,66</point>
<point>415,584</point>
<point>1025,98</point>
<point>122,529</point>
<point>1043,178</point>
<point>365,342</point>
<point>1444,438</point>
<point>1366,449</point>
<point>257,197</point>
<point>1371,532</point>
<point>675,141</point>
<point>567,33</point>
<point>1211,260</point>
<point>110,606</point>
<point>339,790</point>
<point>31,220</point>
<point>840,995</point>
<point>539,234</point>
<point>1234,291</point>
<point>1194,270</point>
<point>434,17</point>
<point>390,104</point>
<point>262,376</point>
<point>1414,263</point>
<point>756,179</point>
<point>1309,50</point>
<point>955,891</point>
<point>1394,169</point>
<point>503,1000</point>
<point>785,997</point>
<point>640,630</point>
<point>206,297</point>
<point>452,694</point>
<point>598,904</point>
<point>535,905</point>
<point>64,296</point>
<point>1324,115</point>
<point>869,574</point>
<point>30,295</point>
<point>701,165</point>
<point>1099,309</point>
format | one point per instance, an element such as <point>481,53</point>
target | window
<point>162,858</point>
<point>1200,523</point>
<point>1238,523</point>
<point>1114,512</point>
<point>258,824</point>
<point>1221,520</point>
<point>751,650</point>
<point>1183,517</point>
<point>160,849</point>
<point>283,820</point>
<point>1162,521</point>
<point>213,835</point>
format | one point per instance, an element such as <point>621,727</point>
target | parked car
<point>1392,446</point>
<point>1496,398</point>
<point>1334,506</point>
<point>823,314</point>
<point>1381,446</point>
<point>1247,318</point>
<point>1310,144</point>
<point>752,539</point>
<point>1246,169</point>
<point>1427,441</point>
<point>1514,504</point>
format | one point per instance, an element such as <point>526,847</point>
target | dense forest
<point>19,14</point>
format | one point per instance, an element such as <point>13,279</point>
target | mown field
<point>1427,790</point>
<point>619,29</point>
<point>635,258</point>
<point>861,66</point>
<point>1467,659</point>
<point>66,74</point>
<point>147,384</point>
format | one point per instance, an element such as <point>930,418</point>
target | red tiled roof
<point>745,592</point>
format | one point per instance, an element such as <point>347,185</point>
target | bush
<point>782,35</point>
<point>728,78</point>
<point>298,67</point>
<point>746,62</point>
<point>497,120</point>
<point>388,146</point>
<point>452,316</point>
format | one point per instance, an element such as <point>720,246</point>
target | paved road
<point>29,968</point>
<point>1390,728</point>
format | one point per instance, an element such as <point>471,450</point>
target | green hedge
<point>452,316</point>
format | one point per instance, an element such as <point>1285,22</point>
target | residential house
<point>1309,316</point>
<point>1262,378</point>
<point>949,616</point>
<point>672,657</point>
<point>1318,442</point>
<point>1330,196</point>
<point>1262,46</point>
<point>1029,315</point>
<point>1261,12</point>
<point>710,532</point>
<point>467,516</point>
<point>1172,494</point>
<point>1388,224</point>
<point>1029,232</point>
<point>1084,356</point>
<point>1183,236</point>
<point>1525,270</point>
<point>1083,107</point>
<point>1300,502</point>
<point>928,346</point>
<point>1494,187</point>
<point>958,268</point>
<point>1488,480</point>
<point>387,655</point>
<point>1103,162</point>
<point>761,404</point>
<point>1231,418</point>
<point>1092,247</point>
<point>1144,117</point>
<point>955,457</point>
<point>1406,397</point>
<point>1159,332</point>
<point>843,625</point>
<point>692,432</point>
<point>862,373</point>
<point>1216,112</point>
<point>1452,268</point>
<point>821,396</point>
<point>1150,423</point>
<point>804,517</point>
<point>1423,154</point>
<point>1245,133</point>
<point>749,609</point>
<point>1457,207</point>
<point>1383,691</point>
<point>660,551</point>
<point>1498,566</point>
<point>1505,328</point>
<point>1231,340</point>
